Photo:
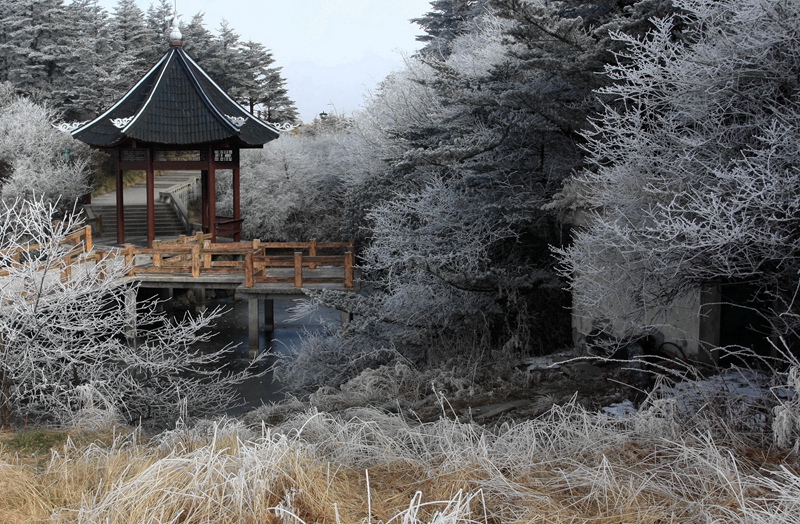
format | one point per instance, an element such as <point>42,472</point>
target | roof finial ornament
<point>175,36</point>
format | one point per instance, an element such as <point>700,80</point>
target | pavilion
<point>177,118</point>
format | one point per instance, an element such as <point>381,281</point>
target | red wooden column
<point>120,200</point>
<point>204,199</point>
<point>212,194</point>
<point>237,211</point>
<point>151,202</point>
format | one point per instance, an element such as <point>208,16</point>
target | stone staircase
<point>168,223</point>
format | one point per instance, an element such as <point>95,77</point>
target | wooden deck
<point>196,262</point>
<point>259,272</point>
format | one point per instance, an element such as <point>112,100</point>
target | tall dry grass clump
<point>21,499</point>
<point>368,466</point>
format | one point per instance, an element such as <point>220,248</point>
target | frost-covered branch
<point>66,333</point>
<point>693,177</point>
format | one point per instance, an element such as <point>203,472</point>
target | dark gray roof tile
<point>177,103</point>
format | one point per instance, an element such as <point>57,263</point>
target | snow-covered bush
<point>325,360</point>
<point>786,425</point>
<point>36,160</point>
<point>76,346</point>
<point>296,188</point>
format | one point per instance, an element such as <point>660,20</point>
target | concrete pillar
<point>130,314</point>
<point>199,300</point>
<point>253,328</point>
<point>710,320</point>
<point>346,317</point>
<point>269,315</point>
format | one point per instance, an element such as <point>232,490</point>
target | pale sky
<point>332,51</point>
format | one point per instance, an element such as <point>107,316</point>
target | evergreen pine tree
<point>159,24</point>
<point>444,23</point>
<point>35,41</point>
<point>198,40</point>
<point>131,41</point>
<point>225,62</point>
<point>92,79</point>
<point>265,89</point>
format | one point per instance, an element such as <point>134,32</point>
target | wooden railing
<point>258,262</point>
<point>81,242</point>
<point>296,263</point>
<point>228,226</point>
<point>300,255</point>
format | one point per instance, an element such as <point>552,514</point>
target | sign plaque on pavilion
<point>177,118</point>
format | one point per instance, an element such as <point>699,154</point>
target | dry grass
<point>569,466</point>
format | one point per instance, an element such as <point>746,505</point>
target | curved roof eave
<point>211,115</point>
<point>244,112</point>
<point>121,101</point>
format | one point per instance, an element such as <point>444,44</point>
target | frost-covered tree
<point>265,93</point>
<point>79,59</point>
<point>693,165</point>
<point>159,22</point>
<point>132,43</point>
<point>34,38</point>
<point>93,77</point>
<point>492,124</point>
<point>297,187</point>
<point>446,20</point>
<point>37,160</point>
<point>60,54</point>
<point>197,39</point>
<point>69,340</point>
<point>225,62</point>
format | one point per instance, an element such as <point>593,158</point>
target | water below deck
<point>232,330</point>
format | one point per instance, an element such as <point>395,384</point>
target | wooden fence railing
<point>296,263</point>
<point>81,242</point>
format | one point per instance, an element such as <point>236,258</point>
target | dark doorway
<point>743,320</point>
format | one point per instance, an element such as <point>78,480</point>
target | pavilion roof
<point>176,103</point>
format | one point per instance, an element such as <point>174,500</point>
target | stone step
<point>113,214</point>
<point>166,221</point>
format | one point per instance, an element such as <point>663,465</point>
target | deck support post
<point>199,300</point>
<point>237,212</point>
<point>120,188</point>
<point>165,300</point>
<point>205,227</point>
<point>211,193</point>
<point>151,198</point>
<point>346,317</point>
<point>253,328</point>
<point>269,315</point>
<point>130,313</point>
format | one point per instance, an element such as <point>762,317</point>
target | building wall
<point>690,322</point>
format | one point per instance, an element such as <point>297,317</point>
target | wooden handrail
<point>229,226</point>
<point>253,260</point>
<point>80,240</point>
<point>295,263</point>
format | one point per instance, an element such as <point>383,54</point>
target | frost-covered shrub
<point>693,165</point>
<point>37,160</point>
<point>75,345</point>
<point>298,187</point>
<point>786,424</point>
<point>325,360</point>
